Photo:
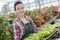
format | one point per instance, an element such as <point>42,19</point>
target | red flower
<point>43,21</point>
<point>55,8</point>
<point>6,16</point>
<point>44,10</point>
<point>6,28</point>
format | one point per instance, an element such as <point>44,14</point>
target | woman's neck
<point>21,17</point>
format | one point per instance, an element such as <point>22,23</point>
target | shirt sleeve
<point>15,31</point>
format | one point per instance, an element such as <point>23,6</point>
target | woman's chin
<point>21,15</point>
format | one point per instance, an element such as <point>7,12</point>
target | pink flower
<point>6,28</point>
<point>6,16</point>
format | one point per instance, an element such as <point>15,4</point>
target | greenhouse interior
<point>29,19</point>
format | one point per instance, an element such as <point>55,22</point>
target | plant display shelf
<point>50,21</point>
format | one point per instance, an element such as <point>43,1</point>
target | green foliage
<point>46,31</point>
<point>57,21</point>
<point>33,13</point>
<point>5,34</point>
<point>48,12</point>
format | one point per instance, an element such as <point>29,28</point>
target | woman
<point>23,25</point>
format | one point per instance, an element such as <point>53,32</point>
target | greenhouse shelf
<point>54,35</point>
<point>50,21</point>
<point>49,37</point>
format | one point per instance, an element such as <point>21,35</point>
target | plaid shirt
<point>18,28</point>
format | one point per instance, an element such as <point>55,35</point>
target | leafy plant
<point>48,13</point>
<point>5,30</point>
<point>45,32</point>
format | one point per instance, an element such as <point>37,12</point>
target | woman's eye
<point>18,9</point>
<point>22,8</point>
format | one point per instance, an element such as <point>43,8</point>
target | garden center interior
<point>44,13</point>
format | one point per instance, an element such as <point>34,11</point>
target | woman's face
<point>20,10</point>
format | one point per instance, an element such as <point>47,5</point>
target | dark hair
<point>18,2</point>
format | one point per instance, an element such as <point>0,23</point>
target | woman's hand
<point>38,29</point>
